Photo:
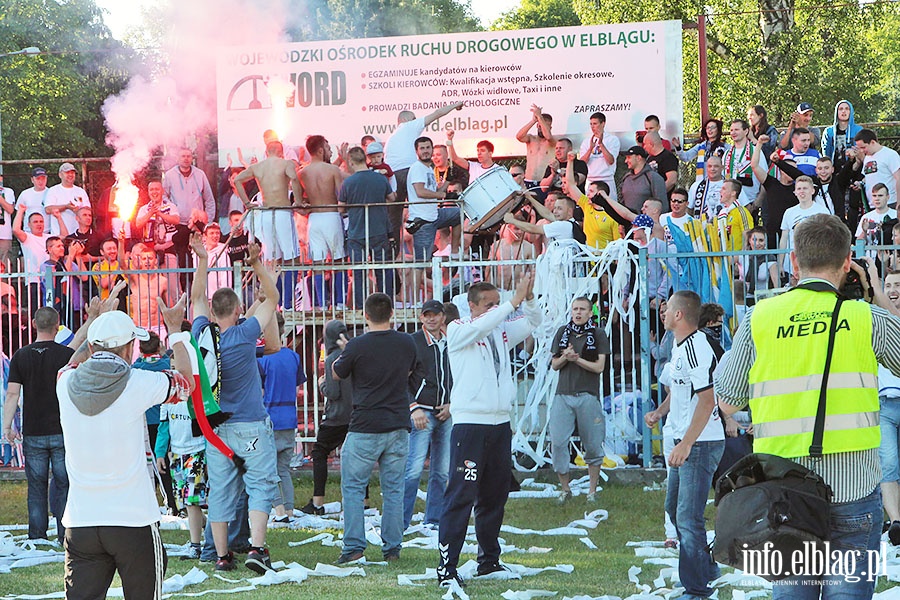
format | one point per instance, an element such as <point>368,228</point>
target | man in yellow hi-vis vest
<point>777,363</point>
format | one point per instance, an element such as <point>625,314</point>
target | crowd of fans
<point>392,204</point>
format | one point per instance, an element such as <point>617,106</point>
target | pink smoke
<point>175,107</point>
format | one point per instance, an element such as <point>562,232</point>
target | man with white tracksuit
<point>481,439</point>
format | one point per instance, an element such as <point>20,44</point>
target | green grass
<point>633,515</point>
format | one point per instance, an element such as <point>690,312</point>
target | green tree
<point>539,13</point>
<point>343,19</point>
<point>50,103</point>
<point>769,52</point>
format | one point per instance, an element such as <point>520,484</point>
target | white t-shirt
<point>688,372</point>
<point>793,217</point>
<point>476,170</point>
<point>419,172</point>
<point>880,168</point>
<point>59,196</point>
<point>597,166</point>
<point>558,230</point>
<point>6,227</point>
<point>105,454</point>
<point>33,202</point>
<point>874,218</point>
<point>216,279</point>
<point>158,230</point>
<point>181,435</point>
<point>679,222</point>
<point>706,201</point>
<point>400,151</point>
<point>34,250</point>
<point>736,165</point>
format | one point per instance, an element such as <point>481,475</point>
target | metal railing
<point>630,385</point>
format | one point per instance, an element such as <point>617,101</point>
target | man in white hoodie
<point>112,516</point>
<point>481,439</point>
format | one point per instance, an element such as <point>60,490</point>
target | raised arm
<point>522,135</point>
<point>785,140</point>
<point>266,311</point>
<point>291,171</point>
<point>541,122</point>
<point>431,118</point>
<point>198,286</point>
<point>17,224</point>
<point>571,184</point>
<point>94,309</point>
<point>542,210</point>
<point>63,230</point>
<point>525,226</point>
<point>247,175</point>
<point>4,205</point>
<point>179,341</point>
<point>451,151</point>
<point>758,171</point>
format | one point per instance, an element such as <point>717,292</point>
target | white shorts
<point>277,232</point>
<point>326,236</point>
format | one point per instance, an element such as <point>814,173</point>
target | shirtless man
<point>145,288</point>
<point>274,227</point>
<point>539,148</point>
<point>321,181</point>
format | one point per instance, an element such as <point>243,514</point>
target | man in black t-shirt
<point>556,171</point>
<point>369,231</point>
<point>32,371</point>
<point>779,193</point>
<point>238,240</point>
<point>380,363</point>
<point>579,353</point>
<point>661,160</point>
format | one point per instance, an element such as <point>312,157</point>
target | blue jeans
<point>379,251</point>
<point>855,526</point>
<point>45,454</point>
<point>253,441</point>
<point>889,451</point>
<point>360,453</point>
<point>423,239</point>
<point>436,435</point>
<point>686,495</point>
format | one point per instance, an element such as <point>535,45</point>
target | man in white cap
<point>68,197</point>
<point>112,516</point>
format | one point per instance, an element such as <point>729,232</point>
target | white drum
<point>490,197</point>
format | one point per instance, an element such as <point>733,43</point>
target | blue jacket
<point>828,136</point>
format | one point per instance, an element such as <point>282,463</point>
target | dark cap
<point>804,107</point>
<point>636,151</point>
<point>435,306</point>
<point>38,172</point>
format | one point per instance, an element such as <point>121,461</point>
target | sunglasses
<point>517,174</point>
<point>673,201</point>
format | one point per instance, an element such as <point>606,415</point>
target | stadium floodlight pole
<point>29,51</point>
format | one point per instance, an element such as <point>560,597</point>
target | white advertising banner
<point>345,89</point>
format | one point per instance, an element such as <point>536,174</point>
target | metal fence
<point>619,277</point>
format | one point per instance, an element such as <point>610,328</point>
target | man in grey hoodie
<point>112,516</point>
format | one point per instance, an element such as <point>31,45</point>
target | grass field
<point>633,515</point>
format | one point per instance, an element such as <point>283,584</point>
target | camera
<point>853,288</point>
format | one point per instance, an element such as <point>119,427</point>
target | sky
<point>120,16</point>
